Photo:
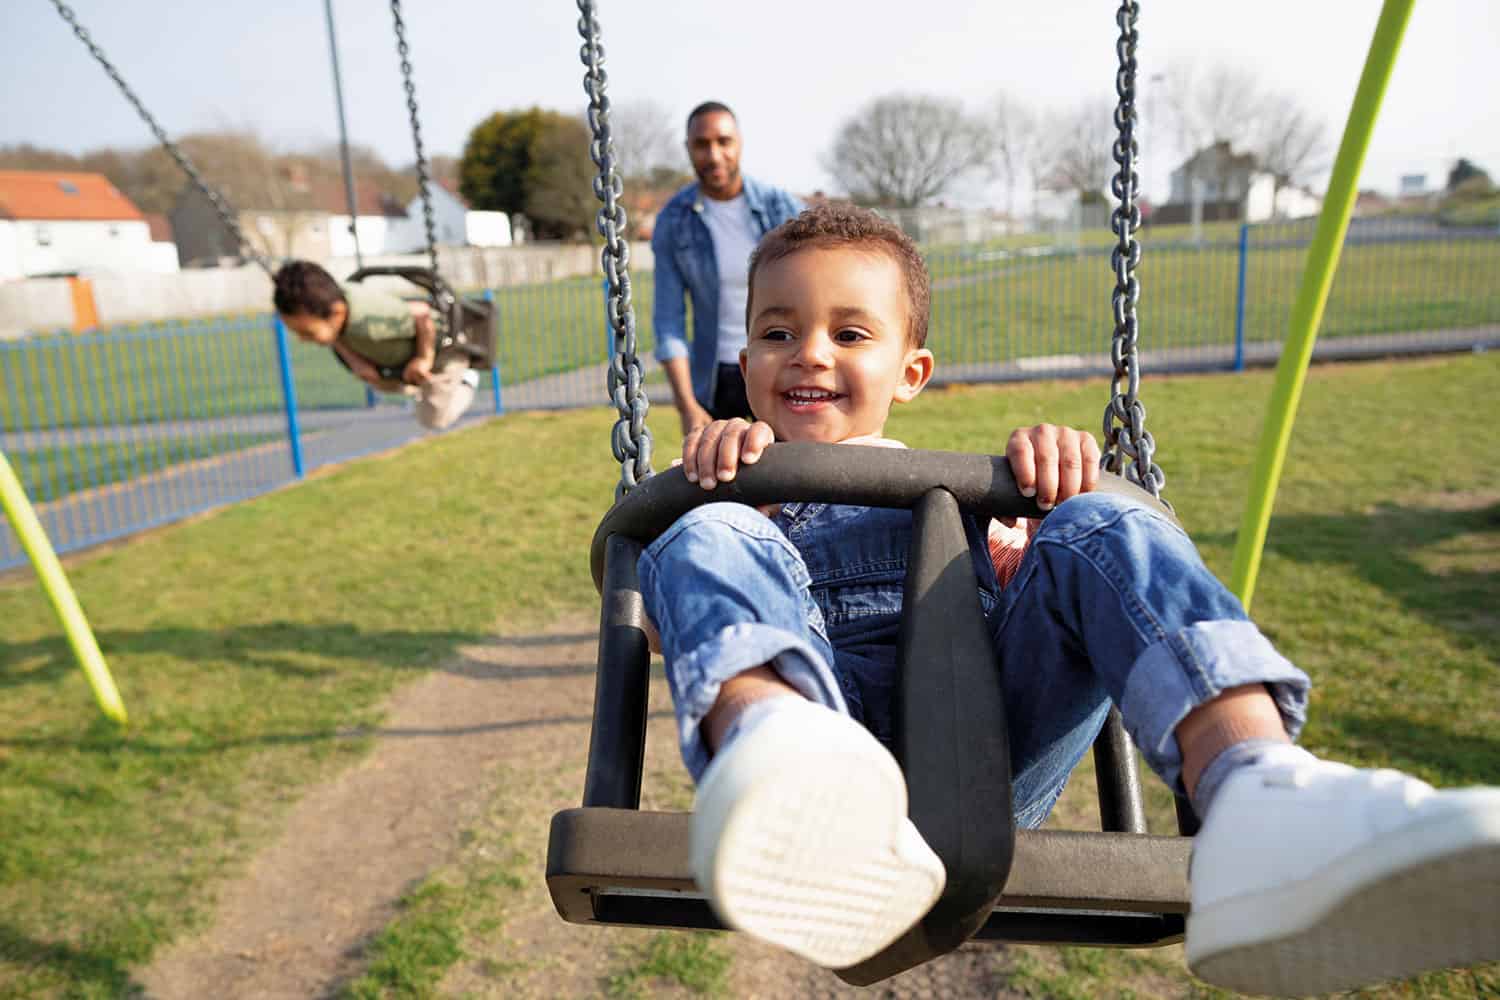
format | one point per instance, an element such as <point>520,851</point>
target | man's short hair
<point>303,287</point>
<point>708,107</point>
<point>839,225</point>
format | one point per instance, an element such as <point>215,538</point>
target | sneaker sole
<point>815,855</point>
<point>1428,903</point>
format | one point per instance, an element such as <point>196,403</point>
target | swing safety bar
<point>610,863</point>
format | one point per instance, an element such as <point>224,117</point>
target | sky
<point>793,71</point>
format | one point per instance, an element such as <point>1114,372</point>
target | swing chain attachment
<point>220,205</point>
<point>1128,446</point>
<point>423,181</point>
<point>630,439</point>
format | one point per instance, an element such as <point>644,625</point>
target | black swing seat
<point>467,324</point>
<point>610,863</point>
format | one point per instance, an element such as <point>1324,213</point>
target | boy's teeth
<point>811,394</point>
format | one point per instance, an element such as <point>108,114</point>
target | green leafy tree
<point>534,162</point>
<point>560,198</point>
<point>1463,173</point>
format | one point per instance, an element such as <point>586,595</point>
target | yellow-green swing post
<point>1312,295</point>
<point>34,540</point>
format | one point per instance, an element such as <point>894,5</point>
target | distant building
<point>382,223</point>
<point>1411,185</point>
<point>454,223</point>
<point>60,222</point>
<point>1218,184</point>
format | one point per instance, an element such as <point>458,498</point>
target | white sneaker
<point>470,378</point>
<point>1311,876</point>
<point>800,838</point>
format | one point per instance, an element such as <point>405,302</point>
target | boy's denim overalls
<point>1111,602</point>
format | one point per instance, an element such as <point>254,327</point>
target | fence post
<point>369,398</point>
<point>609,334</point>
<point>1239,301</point>
<point>489,296</point>
<point>289,396</point>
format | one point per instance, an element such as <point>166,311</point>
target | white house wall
<point>378,234</point>
<point>10,250</point>
<point>46,246</point>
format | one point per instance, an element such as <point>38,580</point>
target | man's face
<point>713,144</point>
<point>828,347</point>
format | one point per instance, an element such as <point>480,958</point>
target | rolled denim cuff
<point>697,676</point>
<point>1194,665</point>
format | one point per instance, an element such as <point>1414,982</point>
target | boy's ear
<point>916,372</point>
<point>744,363</point>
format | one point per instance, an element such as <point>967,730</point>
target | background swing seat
<point>468,324</point>
<point>610,863</point>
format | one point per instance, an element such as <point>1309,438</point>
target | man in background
<point>702,241</point>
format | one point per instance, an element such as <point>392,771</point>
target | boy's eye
<point>850,335</point>
<point>776,333</point>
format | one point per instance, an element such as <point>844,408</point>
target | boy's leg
<point>799,833</point>
<point>1308,876</point>
<point>1113,603</point>
<point>448,392</point>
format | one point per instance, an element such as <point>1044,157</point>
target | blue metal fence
<point>120,430</point>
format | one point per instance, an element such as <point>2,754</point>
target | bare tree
<point>902,150</point>
<point>1221,104</point>
<point>1018,140</point>
<point>1289,142</point>
<point>645,137</point>
<point>1078,155</point>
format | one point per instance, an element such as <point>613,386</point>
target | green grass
<point>253,645</point>
<point>697,962</point>
<point>409,957</point>
<point>984,309</point>
<point>53,473</point>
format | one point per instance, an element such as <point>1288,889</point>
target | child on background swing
<point>369,331</point>
<point>779,633</point>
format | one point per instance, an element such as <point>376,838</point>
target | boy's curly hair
<point>831,224</point>
<point>303,287</point>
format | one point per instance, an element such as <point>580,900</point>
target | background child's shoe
<point>1310,876</point>
<point>800,838</point>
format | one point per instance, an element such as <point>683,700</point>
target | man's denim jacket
<point>685,262</point>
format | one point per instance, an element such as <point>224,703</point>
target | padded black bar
<point>952,741</point>
<point>617,742</point>
<point>1121,807</point>
<point>834,473</point>
<point>422,277</point>
<point>1187,819</point>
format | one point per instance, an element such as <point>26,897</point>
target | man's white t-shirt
<point>733,232</point>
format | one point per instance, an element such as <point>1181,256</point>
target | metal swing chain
<point>630,439</point>
<point>220,205</point>
<point>1128,446</point>
<point>423,181</point>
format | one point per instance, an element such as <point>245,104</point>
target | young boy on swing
<point>369,330</point>
<point>779,629</point>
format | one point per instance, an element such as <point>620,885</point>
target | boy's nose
<point>816,351</point>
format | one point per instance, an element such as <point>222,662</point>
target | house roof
<point>62,196</point>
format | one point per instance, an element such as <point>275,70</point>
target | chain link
<point>1128,446</point>
<point>217,200</point>
<point>630,439</point>
<point>423,182</point>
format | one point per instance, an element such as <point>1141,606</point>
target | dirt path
<point>492,745</point>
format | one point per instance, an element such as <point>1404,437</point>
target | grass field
<point>989,304</point>
<point>249,643</point>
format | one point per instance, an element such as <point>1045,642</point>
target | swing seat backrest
<point>466,324</point>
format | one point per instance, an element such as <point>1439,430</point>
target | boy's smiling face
<point>829,348</point>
